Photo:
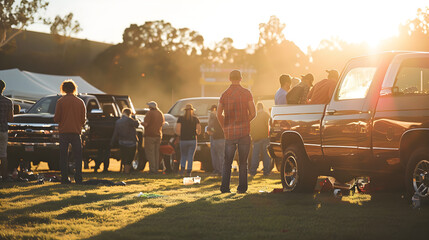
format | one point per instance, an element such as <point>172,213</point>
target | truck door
<point>346,121</point>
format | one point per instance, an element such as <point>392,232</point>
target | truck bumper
<point>33,151</point>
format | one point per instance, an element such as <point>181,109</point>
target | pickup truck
<point>33,136</point>
<point>376,125</point>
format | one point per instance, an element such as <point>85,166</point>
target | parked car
<point>202,105</point>
<point>33,136</point>
<point>376,124</point>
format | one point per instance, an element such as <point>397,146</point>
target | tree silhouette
<point>19,16</point>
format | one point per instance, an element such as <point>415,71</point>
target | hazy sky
<point>307,21</point>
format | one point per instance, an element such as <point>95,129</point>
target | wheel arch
<point>412,140</point>
<point>292,137</point>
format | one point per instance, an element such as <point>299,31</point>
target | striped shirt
<point>6,108</point>
<point>235,101</point>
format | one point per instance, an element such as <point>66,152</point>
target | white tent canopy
<point>32,86</point>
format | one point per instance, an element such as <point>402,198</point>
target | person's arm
<point>135,121</point>
<point>252,110</point>
<point>178,128</point>
<point>220,116</point>
<point>310,95</point>
<point>10,115</point>
<point>58,112</point>
<point>83,114</point>
<point>198,129</point>
<point>147,119</point>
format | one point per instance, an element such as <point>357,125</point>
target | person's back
<point>70,114</point>
<point>322,92</point>
<point>235,104</point>
<point>298,94</point>
<point>259,126</point>
<point>155,119</point>
<point>235,111</point>
<point>125,131</point>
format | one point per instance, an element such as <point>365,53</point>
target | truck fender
<point>291,137</point>
<point>411,140</point>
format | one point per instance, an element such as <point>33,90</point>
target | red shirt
<point>235,101</point>
<point>70,114</point>
<point>322,92</point>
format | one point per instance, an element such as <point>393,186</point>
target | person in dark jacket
<point>187,128</point>
<point>260,140</point>
<point>217,141</point>
<point>298,94</point>
<point>126,136</point>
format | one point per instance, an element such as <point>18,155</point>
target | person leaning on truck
<point>125,135</point>
<point>153,121</point>
<point>70,114</point>
<point>298,94</point>
<point>6,115</point>
<point>285,82</point>
<point>235,111</point>
<point>322,92</point>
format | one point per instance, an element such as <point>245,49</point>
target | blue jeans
<point>76,143</point>
<point>187,152</point>
<point>217,150</point>
<point>260,150</point>
<point>231,145</point>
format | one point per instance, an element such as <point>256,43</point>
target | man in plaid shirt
<point>236,110</point>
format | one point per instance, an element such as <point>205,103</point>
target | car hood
<point>34,118</point>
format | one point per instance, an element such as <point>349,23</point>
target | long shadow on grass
<point>279,216</point>
<point>57,205</point>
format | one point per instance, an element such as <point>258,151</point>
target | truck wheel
<point>296,172</point>
<point>417,173</point>
<point>139,162</point>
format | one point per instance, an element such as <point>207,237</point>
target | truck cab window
<point>92,104</point>
<point>412,78</point>
<point>356,83</point>
<point>46,105</point>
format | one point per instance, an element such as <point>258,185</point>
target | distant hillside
<point>44,53</point>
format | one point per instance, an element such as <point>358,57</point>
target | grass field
<point>55,211</point>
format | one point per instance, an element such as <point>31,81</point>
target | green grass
<point>55,211</point>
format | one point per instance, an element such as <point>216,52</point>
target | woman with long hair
<point>187,128</point>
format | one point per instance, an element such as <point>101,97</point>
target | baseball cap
<point>152,104</point>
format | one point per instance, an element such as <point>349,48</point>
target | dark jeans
<point>127,154</point>
<point>76,143</point>
<point>231,145</point>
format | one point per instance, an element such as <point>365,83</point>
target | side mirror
<point>16,109</point>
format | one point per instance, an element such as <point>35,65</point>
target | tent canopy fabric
<point>33,86</point>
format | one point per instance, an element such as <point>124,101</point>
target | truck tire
<point>139,162</point>
<point>417,173</point>
<point>297,175</point>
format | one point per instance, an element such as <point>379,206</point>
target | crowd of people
<point>234,125</point>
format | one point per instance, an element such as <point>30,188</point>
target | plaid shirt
<point>235,101</point>
<point>6,107</point>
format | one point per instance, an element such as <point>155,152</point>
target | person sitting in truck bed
<point>280,97</point>
<point>298,94</point>
<point>322,92</point>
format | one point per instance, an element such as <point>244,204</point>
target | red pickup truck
<point>376,124</point>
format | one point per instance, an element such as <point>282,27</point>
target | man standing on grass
<point>70,114</point>
<point>153,122</point>
<point>235,111</point>
<point>6,115</point>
